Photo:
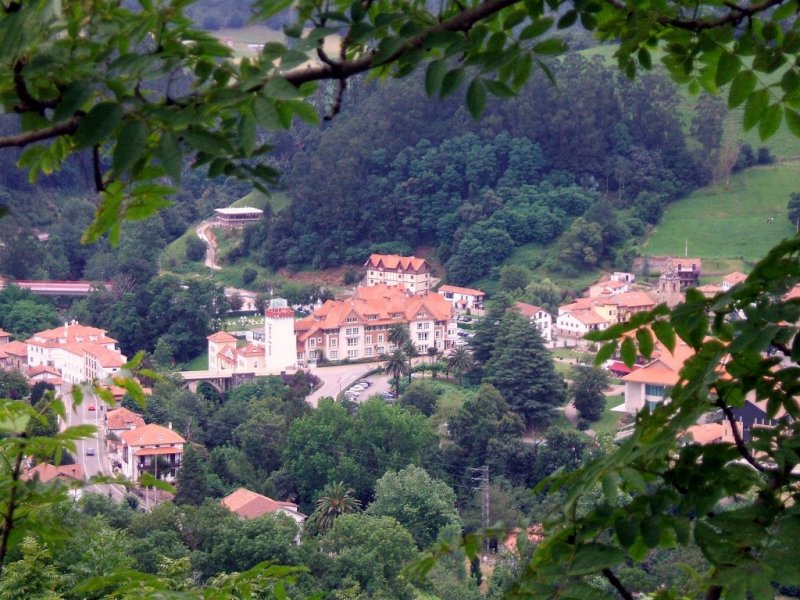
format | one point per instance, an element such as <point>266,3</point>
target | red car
<point>92,407</point>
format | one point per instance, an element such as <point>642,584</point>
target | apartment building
<point>413,273</point>
<point>79,352</point>
<point>358,327</point>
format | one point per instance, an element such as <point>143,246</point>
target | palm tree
<point>336,500</point>
<point>411,351</point>
<point>460,362</point>
<point>399,335</point>
<point>396,367</point>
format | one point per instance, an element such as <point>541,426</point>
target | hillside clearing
<point>730,222</point>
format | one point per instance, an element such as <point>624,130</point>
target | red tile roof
<point>150,435</point>
<point>527,310</point>
<point>221,337</point>
<point>15,348</point>
<point>45,472</point>
<point>454,289</point>
<point>250,505</point>
<point>107,358</point>
<point>122,418</point>
<point>396,262</point>
<point>734,278</point>
<point>374,305</point>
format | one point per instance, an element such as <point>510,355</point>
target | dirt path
<point>205,233</point>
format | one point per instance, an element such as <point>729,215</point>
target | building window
<point>334,342</point>
<point>368,339</point>
<point>380,350</point>
<point>351,319</point>
<point>654,390</point>
<point>422,336</point>
<point>380,338</point>
<point>352,354</point>
<point>368,352</point>
<point>334,354</point>
<point>312,343</point>
<point>651,405</point>
<point>351,331</point>
<point>352,342</point>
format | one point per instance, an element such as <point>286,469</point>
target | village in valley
<point>399,306</point>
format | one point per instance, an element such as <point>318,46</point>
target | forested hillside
<point>585,165</point>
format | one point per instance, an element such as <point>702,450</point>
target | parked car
<point>90,452</point>
<point>364,382</point>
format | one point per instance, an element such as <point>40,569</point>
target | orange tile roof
<point>686,263</point>
<point>16,348</point>
<point>461,290</point>
<point>150,435</point>
<point>46,472</point>
<point>250,505</point>
<point>38,370</point>
<point>707,433</point>
<point>122,418</point>
<point>71,333</point>
<point>790,295</point>
<point>734,278</point>
<point>395,261</point>
<point>381,302</point>
<point>4,333</point>
<point>221,337</point>
<point>635,298</point>
<point>588,317</point>
<point>251,350</point>
<point>527,310</point>
<point>105,356</point>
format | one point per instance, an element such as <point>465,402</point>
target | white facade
<point>279,337</point>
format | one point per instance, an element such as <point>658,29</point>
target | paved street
<point>97,463</point>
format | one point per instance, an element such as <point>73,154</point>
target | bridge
<point>46,287</point>
<point>224,381</point>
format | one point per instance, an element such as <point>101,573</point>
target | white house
<point>647,387</point>
<point>539,317</point>
<point>463,298</point>
<point>152,448</point>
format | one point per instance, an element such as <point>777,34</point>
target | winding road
<point>205,233</point>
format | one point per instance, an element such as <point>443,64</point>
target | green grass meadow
<point>730,221</point>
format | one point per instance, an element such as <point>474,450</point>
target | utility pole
<point>483,478</point>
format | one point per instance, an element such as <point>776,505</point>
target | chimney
<point>66,325</point>
<point>169,425</point>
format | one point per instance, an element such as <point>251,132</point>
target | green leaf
<point>644,58</point>
<point>280,89</point>
<point>266,113</point>
<point>131,143</point>
<point>741,88</point>
<point>303,110</point>
<point>499,89</point>
<point>247,134</point>
<point>605,352</point>
<point>770,121</point>
<point>627,351</point>
<point>208,142</point>
<point>169,153</point>
<point>476,97</point>
<point>727,67</point>
<point>793,121</point>
<point>551,46</point>
<point>610,488</point>
<point>645,340</point>
<point>754,108</point>
<point>568,19</point>
<point>451,82</point>
<point>651,531</point>
<point>536,28</point>
<point>75,94</point>
<point>627,530</point>
<point>591,558</point>
<point>98,124</point>
<point>665,334</point>
<point>434,75</point>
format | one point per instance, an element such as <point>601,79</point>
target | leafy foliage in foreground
<point>736,502</point>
